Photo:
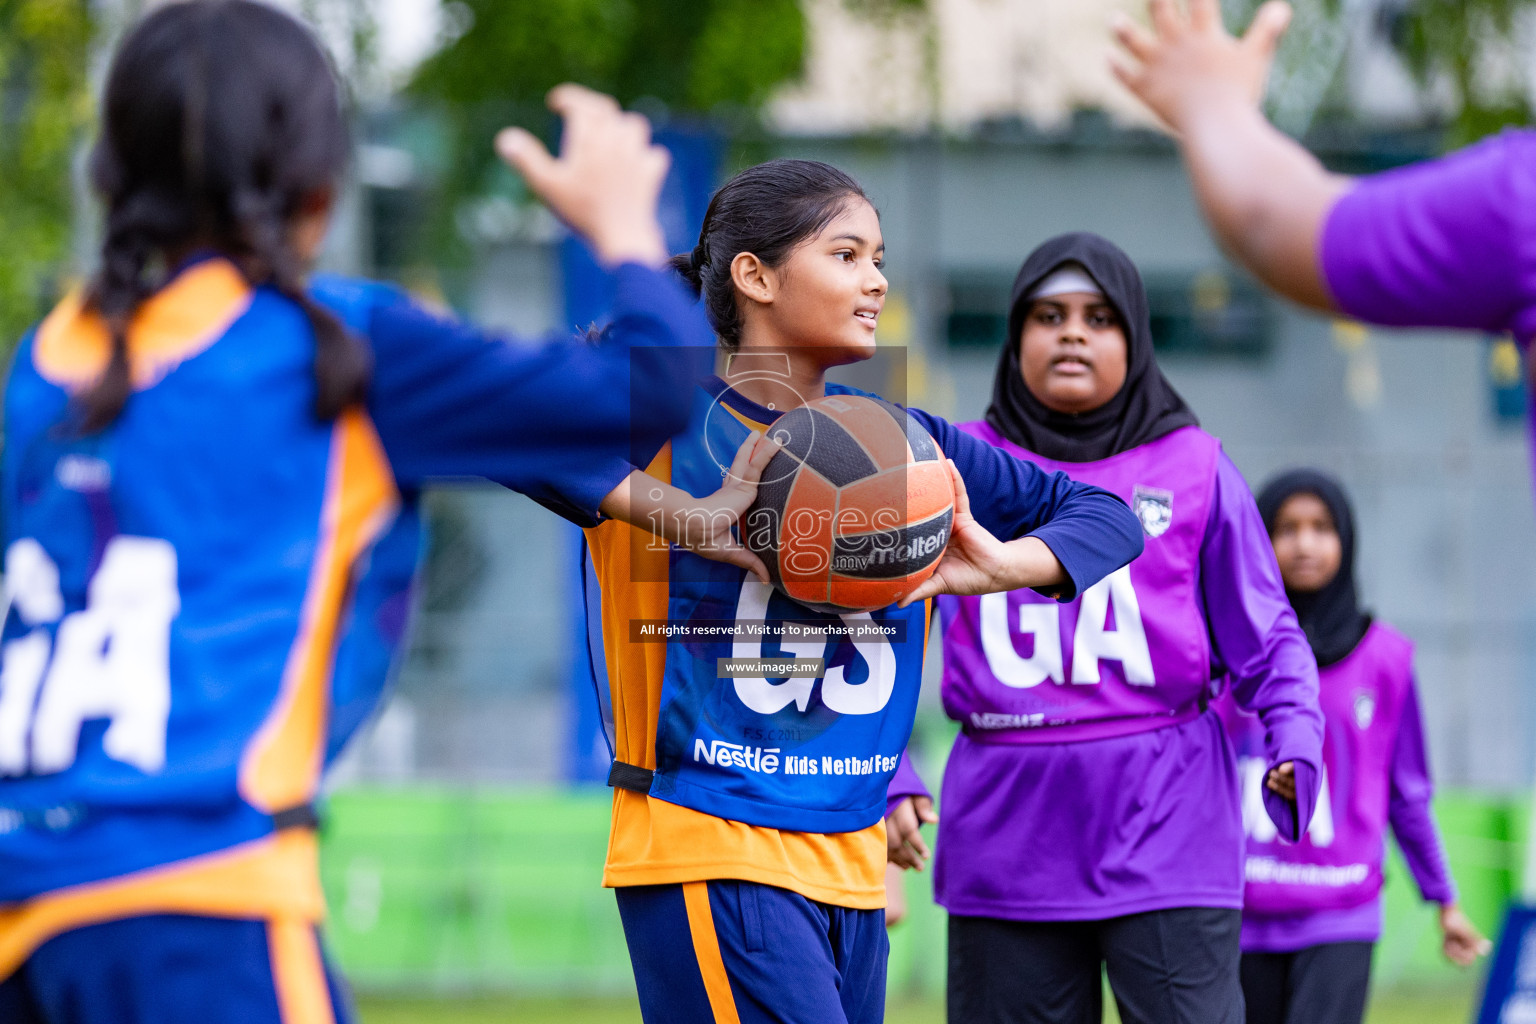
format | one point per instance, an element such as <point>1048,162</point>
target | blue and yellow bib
<point>811,753</point>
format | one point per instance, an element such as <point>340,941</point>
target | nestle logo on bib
<point>725,755</point>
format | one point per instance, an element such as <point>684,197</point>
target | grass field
<point>1433,1006</point>
<point>467,890</point>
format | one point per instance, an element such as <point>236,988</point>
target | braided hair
<point>221,123</point>
<point>767,210</point>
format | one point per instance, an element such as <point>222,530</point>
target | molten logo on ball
<point>855,510</point>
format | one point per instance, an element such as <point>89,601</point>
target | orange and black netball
<point>855,509</point>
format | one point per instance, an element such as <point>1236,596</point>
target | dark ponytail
<point>767,210</point>
<point>221,120</point>
<point>689,264</point>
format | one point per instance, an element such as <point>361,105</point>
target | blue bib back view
<point>204,599</point>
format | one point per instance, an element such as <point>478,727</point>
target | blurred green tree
<point>1473,49</point>
<point>44,107</point>
<point>695,57</point>
<point>1475,46</point>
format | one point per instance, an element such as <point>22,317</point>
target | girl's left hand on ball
<point>975,562</point>
<point>973,558</point>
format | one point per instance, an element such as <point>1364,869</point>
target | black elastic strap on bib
<point>299,816</point>
<point>631,777</point>
<point>1205,701</point>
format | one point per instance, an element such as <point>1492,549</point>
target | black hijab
<point>1145,408</point>
<point>1331,617</point>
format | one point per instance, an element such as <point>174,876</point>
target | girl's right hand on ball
<point>607,179</point>
<point>708,528</point>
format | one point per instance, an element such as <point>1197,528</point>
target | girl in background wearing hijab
<point>1312,909</point>
<point>1091,816</point>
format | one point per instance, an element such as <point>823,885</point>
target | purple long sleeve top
<point>1094,828</point>
<point>1326,888</point>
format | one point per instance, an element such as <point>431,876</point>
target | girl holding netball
<point>1090,804</point>
<point>210,491</point>
<point>747,846</point>
<point>1312,908</point>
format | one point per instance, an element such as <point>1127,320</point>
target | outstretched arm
<point>563,422</point>
<point>1265,197</point>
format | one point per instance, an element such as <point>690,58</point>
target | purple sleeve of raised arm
<point>1256,638</point>
<point>1446,243</point>
<point>561,422</point>
<point>1413,822</point>
<point>903,784</point>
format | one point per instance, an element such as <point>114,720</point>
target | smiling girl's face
<point>822,303</point>
<point>1072,351</point>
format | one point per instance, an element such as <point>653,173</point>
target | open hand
<point>1188,60</point>
<point>606,182</point>
<point>904,845</point>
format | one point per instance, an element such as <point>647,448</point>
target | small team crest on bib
<point>1154,507</point>
<point>1365,710</point>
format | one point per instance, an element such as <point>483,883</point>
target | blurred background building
<point>980,128</point>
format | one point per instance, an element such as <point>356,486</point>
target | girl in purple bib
<point>1312,908</point>
<point>1091,814</point>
